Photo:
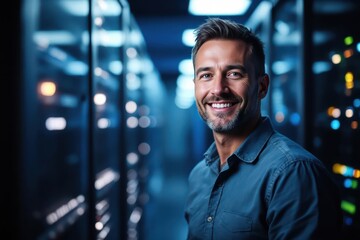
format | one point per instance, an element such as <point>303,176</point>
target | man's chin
<point>220,128</point>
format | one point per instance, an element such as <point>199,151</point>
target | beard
<point>222,123</point>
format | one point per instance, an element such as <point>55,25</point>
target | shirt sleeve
<point>303,203</point>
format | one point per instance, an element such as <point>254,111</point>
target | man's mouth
<point>221,105</point>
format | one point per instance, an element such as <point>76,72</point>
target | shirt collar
<point>250,149</point>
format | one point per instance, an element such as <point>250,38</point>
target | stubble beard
<point>220,124</point>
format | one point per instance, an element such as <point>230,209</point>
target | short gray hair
<point>216,28</point>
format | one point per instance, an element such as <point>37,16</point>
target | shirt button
<point>209,219</point>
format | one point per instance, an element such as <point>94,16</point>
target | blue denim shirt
<point>270,188</point>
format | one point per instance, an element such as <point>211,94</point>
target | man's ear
<point>264,82</point>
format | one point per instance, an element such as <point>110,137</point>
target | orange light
<point>47,88</point>
<point>348,53</point>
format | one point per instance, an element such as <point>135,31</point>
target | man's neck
<point>227,143</point>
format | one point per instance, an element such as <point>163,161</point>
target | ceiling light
<point>186,67</point>
<point>218,7</point>
<point>188,37</point>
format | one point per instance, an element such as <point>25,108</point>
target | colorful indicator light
<point>348,207</point>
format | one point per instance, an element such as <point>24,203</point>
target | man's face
<point>226,89</point>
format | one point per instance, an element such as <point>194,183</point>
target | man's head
<point>216,28</point>
<point>229,75</point>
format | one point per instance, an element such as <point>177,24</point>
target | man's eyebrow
<point>228,67</point>
<point>201,69</point>
<point>236,66</point>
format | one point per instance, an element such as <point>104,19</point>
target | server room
<point>102,129</point>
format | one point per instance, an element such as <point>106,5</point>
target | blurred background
<point>101,129</point>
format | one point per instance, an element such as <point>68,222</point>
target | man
<point>253,183</point>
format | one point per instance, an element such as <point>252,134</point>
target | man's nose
<point>220,85</point>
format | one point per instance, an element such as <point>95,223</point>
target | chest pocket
<point>233,222</point>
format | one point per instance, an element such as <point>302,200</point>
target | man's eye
<point>205,76</point>
<point>234,74</point>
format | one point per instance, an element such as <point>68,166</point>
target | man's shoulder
<point>283,145</point>
<point>283,153</point>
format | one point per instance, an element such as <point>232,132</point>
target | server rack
<point>314,97</point>
<point>336,93</point>
<point>54,170</point>
<point>68,76</point>
<point>108,23</point>
<point>144,120</point>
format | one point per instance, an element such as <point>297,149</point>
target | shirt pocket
<point>234,222</point>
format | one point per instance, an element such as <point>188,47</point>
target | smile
<point>221,105</point>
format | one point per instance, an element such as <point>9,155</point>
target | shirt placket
<point>213,205</point>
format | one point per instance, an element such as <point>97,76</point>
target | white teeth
<point>221,105</point>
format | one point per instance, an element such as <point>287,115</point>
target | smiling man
<point>253,183</point>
